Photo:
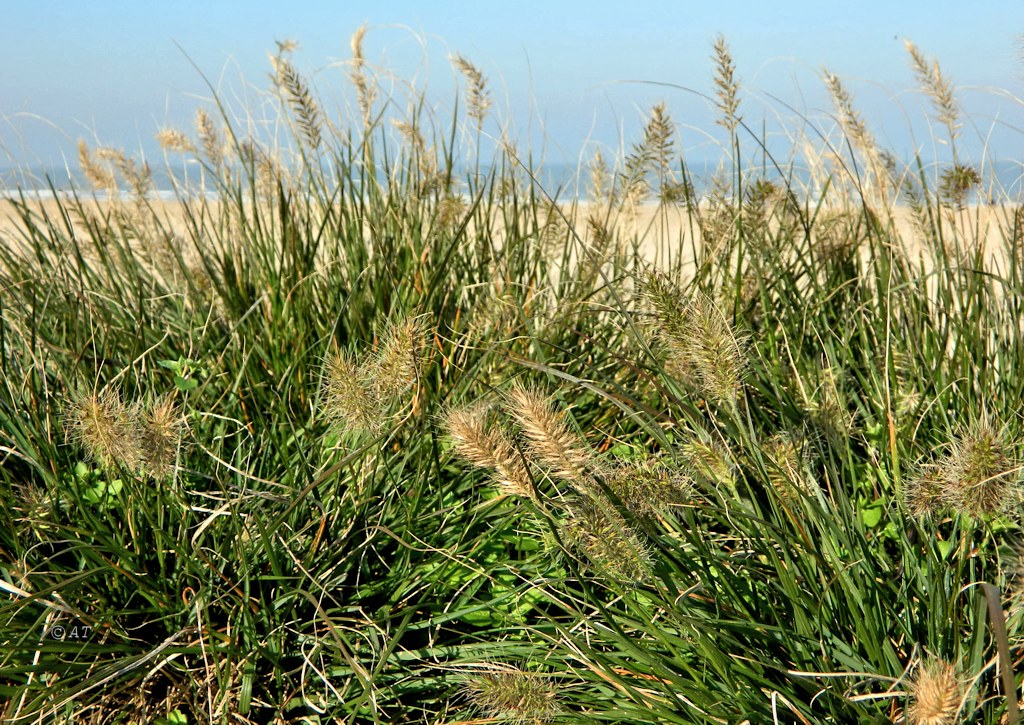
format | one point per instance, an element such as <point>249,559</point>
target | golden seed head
<point>106,428</point>
<point>488,447</point>
<point>161,430</point>
<point>938,87</point>
<point>727,86</point>
<point>171,139</point>
<point>935,694</point>
<point>210,138</point>
<point>478,100</point>
<point>98,176</point>
<point>550,439</point>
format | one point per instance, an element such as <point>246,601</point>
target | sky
<point>566,75</point>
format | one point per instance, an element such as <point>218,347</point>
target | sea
<point>1002,180</point>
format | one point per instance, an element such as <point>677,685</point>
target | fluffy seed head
<point>711,462</point>
<point>171,139</point>
<point>647,487</point>
<point>347,401</point>
<point>488,447</point>
<point>478,99</point>
<point>98,176</point>
<point>785,462</point>
<point>935,694</point>
<point>550,439</point>
<point>161,430</point>
<point>727,87</point>
<point>607,541</point>
<point>106,428</point>
<point>513,695</point>
<point>397,364</point>
<point>938,87</point>
<point>703,348</point>
<point>210,138</point>
<point>979,473</point>
<point>923,491</point>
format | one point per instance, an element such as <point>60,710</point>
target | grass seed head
<point>209,138</point>
<point>488,447</point>
<point>106,428</point>
<point>979,473</point>
<point>787,466</point>
<point>923,492</point>
<point>513,695</point>
<point>727,87</point>
<point>397,363</point>
<point>935,694</point>
<point>712,462</point>
<point>648,487</point>
<point>347,401</point>
<point>174,140</point>
<point>479,98</point>
<point>607,541</point>
<point>550,439</point>
<point>161,431</point>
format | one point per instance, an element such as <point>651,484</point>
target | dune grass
<point>370,428</point>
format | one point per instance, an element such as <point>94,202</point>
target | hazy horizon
<point>565,79</point>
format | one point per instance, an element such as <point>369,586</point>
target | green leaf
<point>871,515</point>
<point>185,384</point>
<point>174,717</point>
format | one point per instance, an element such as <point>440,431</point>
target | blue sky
<point>115,72</point>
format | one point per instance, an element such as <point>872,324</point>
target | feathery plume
<point>936,85</point>
<point>106,428</point>
<point>300,99</point>
<point>786,466</point>
<point>478,100</point>
<point>209,138</point>
<point>727,86</point>
<point>652,154</point>
<point>513,695</point>
<point>935,694</point>
<point>881,165</point>
<point>100,178</point>
<point>173,140</point>
<point>488,447</point>
<point>599,186</point>
<point>550,439</point>
<point>364,91</point>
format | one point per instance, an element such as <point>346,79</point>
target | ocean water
<point>1002,180</point>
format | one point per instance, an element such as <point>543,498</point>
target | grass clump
<point>806,476</point>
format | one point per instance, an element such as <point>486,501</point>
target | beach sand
<point>663,232</point>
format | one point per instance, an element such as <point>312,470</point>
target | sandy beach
<point>663,232</point>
